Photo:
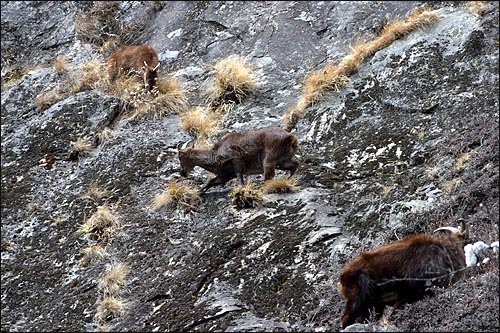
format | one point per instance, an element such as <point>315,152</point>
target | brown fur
<point>239,153</point>
<point>131,58</point>
<point>399,272</point>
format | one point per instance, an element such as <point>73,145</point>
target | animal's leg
<point>238,170</point>
<point>269,170</point>
<point>214,182</point>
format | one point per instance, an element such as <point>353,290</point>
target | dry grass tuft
<point>333,78</point>
<point>81,148</point>
<point>105,135</point>
<point>89,75</point>
<point>246,196</point>
<point>60,64</point>
<point>234,83</point>
<point>92,254</point>
<point>168,97</point>
<point>114,279</point>
<point>175,195</point>
<point>49,98</point>
<point>96,25</point>
<point>477,7</point>
<point>102,224</point>
<point>280,185</point>
<point>199,122</point>
<point>110,307</point>
<point>93,76</point>
<point>94,192</point>
<point>104,327</point>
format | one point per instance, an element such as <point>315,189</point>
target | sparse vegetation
<point>92,254</point>
<point>114,279</point>
<point>246,196</point>
<point>280,185</point>
<point>60,64</point>
<point>318,84</point>
<point>105,135</point>
<point>199,122</point>
<point>477,7</point>
<point>102,225</point>
<point>94,192</point>
<point>110,307</point>
<point>82,147</point>
<point>168,97</point>
<point>233,84</point>
<point>176,195</point>
<point>98,24</point>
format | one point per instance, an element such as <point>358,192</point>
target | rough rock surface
<point>409,144</point>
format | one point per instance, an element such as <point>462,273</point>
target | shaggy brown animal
<point>138,58</point>
<point>239,153</point>
<point>400,272</point>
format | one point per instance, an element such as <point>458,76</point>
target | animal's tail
<point>293,143</point>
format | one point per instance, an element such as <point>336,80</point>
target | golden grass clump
<point>477,7</point>
<point>280,185</point>
<point>114,279</point>
<point>105,135</point>
<point>92,254</point>
<point>102,224</point>
<point>49,98</point>
<point>246,196</point>
<point>94,192</point>
<point>95,26</point>
<point>60,64</point>
<point>234,82</point>
<point>176,195</point>
<point>199,122</point>
<point>167,97</point>
<point>93,76</point>
<point>110,307</point>
<point>334,77</point>
<point>82,147</point>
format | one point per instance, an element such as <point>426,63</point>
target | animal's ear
<point>157,66</point>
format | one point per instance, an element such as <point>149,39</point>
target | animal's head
<point>461,234</point>
<point>150,76</point>
<point>187,163</point>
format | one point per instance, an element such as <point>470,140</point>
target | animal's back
<point>133,56</point>
<point>420,256</point>
<point>254,146</point>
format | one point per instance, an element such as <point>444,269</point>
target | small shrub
<point>246,196</point>
<point>199,122</point>
<point>168,97</point>
<point>233,84</point>
<point>82,147</point>
<point>110,307</point>
<point>280,185</point>
<point>175,195</point>
<point>101,225</point>
<point>114,279</point>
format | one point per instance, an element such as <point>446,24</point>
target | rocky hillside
<point>405,142</point>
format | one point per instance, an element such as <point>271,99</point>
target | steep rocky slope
<point>410,143</point>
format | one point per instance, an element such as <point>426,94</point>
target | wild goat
<point>139,58</point>
<point>400,272</point>
<point>239,153</point>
